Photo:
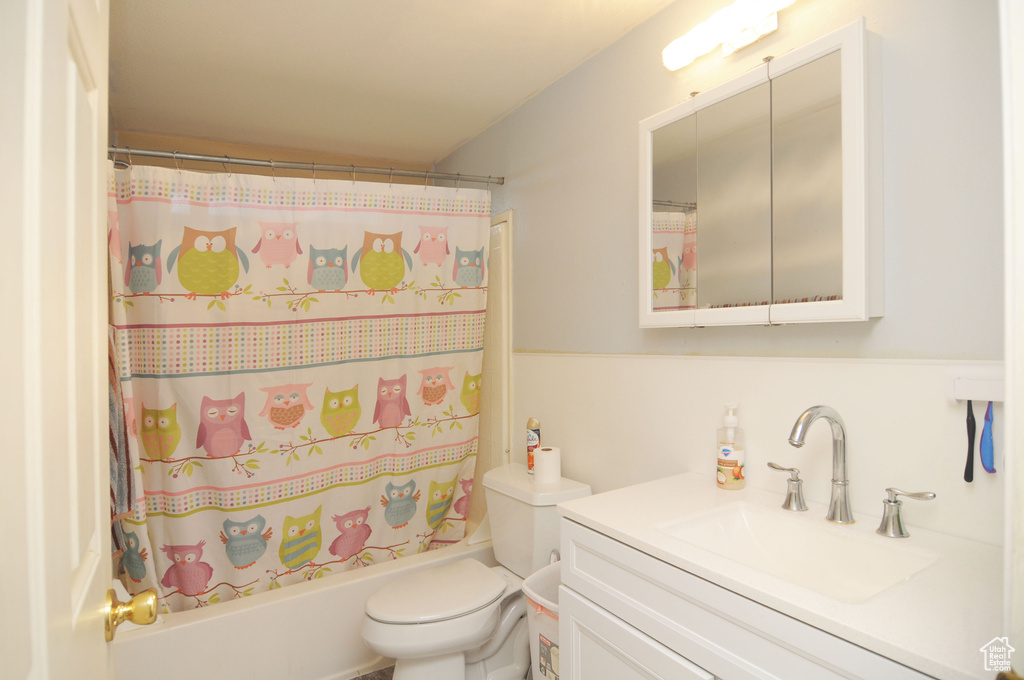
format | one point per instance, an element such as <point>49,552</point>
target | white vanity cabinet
<point>624,614</point>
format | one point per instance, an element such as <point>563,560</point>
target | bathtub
<point>306,631</point>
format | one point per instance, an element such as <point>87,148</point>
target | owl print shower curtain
<point>300,362</point>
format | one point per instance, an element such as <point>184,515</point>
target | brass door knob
<point>141,609</point>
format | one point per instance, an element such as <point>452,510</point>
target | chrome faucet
<point>839,510</point>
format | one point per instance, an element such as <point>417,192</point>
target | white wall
<point>634,410</point>
<point>569,156</point>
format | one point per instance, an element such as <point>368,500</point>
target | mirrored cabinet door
<point>807,183</point>
<point>761,198</point>
<point>734,156</point>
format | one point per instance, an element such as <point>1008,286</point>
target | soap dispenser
<point>731,451</point>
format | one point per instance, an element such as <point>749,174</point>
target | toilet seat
<point>445,592</point>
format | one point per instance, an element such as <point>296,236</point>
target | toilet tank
<point>523,517</point>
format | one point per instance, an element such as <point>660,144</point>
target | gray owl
<point>134,560</point>
<point>143,273</point>
<point>468,271</point>
<point>399,503</point>
<point>245,542</point>
<point>328,268</point>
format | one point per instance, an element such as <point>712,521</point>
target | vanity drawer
<point>727,634</point>
<point>605,648</point>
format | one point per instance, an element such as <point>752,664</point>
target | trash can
<point>541,590</point>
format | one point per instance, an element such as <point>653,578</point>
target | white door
<point>54,489</point>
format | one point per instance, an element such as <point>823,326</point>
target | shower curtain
<point>300,363</point>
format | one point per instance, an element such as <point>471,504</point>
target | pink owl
<point>435,385</point>
<point>286,405</point>
<point>354,533</point>
<point>278,244</point>
<point>392,406</point>
<point>433,245</point>
<point>129,417</point>
<point>690,251</point>
<point>462,505</point>
<point>222,427</point>
<point>187,574</point>
<point>114,236</point>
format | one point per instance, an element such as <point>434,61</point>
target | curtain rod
<point>313,167</point>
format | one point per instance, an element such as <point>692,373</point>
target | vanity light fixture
<point>732,27</point>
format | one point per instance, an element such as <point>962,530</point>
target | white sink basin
<point>839,561</point>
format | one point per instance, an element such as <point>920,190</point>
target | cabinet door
<point>599,646</point>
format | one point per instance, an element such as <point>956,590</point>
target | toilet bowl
<point>464,620</point>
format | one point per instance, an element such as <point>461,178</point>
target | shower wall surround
<point>570,159</point>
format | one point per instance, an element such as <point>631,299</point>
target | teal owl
<point>302,539</point>
<point>381,261</point>
<point>468,270</point>
<point>662,268</point>
<point>160,431</point>
<point>471,393</point>
<point>341,411</point>
<point>399,503</point>
<point>439,501</point>
<point>207,262</point>
<point>134,559</point>
<point>245,542</point>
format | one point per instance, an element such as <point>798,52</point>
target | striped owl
<point>302,539</point>
<point>278,244</point>
<point>207,262</point>
<point>286,405</point>
<point>245,542</point>
<point>439,502</point>
<point>382,261</point>
<point>328,268</point>
<point>468,270</point>
<point>470,396</point>
<point>435,385</point>
<point>160,431</point>
<point>143,273</point>
<point>341,411</point>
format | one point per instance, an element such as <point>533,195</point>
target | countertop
<point>936,622</point>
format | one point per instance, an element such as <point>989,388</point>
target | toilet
<point>464,620</point>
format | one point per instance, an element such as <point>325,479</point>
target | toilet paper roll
<point>547,465</point>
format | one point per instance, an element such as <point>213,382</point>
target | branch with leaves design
<point>314,570</point>
<point>244,590</point>
<point>188,464</point>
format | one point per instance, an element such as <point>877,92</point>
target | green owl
<point>471,393</point>
<point>160,431</point>
<point>207,261</point>
<point>341,411</point>
<point>381,261</point>
<point>439,501</point>
<point>302,539</point>
<point>662,268</point>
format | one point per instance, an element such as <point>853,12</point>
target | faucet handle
<point>892,516</point>
<point>794,489</point>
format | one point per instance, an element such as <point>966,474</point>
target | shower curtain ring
<point>314,172</point>
<point>174,155</point>
<point>129,156</point>
<point>458,180</point>
<point>426,180</point>
<point>353,173</point>
<point>273,171</point>
<point>226,164</point>
<point>391,177</point>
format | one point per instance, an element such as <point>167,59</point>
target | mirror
<point>761,185</point>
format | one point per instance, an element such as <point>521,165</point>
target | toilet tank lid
<point>514,480</point>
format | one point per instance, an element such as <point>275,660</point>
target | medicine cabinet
<point>760,199</point>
